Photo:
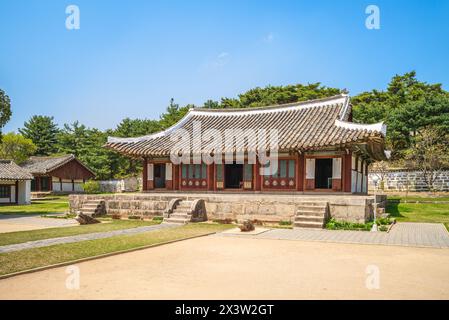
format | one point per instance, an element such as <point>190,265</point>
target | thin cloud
<point>218,62</point>
<point>269,37</point>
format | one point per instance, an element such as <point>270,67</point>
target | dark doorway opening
<point>233,176</point>
<point>159,175</point>
<point>323,174</point>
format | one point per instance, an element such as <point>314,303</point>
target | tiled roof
<point>9,170</point>
<point>300,126</point>
<point>44,165</point>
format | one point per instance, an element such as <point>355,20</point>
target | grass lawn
<point>24,236</point>
<point>39,257</point>
<point>417,198</point>
<point>419,212</point>
<point>59,205</point>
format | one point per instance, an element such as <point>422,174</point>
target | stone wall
<point>403,180</point>
<point>131,184</point>
<point>269,208</point>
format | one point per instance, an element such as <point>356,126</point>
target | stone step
<point>310,213</point>
<point>311,208</point>
<point>91,205</point>
<point>180,216</point>
<point>177,220</point>
<point>184,205</point>
<point>309,224</point>
<point>301,218</point>
<point>313,203</point>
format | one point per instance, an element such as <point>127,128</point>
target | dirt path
<point>217,267</point>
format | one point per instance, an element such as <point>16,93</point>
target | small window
<point>203,171</point>
<point>283,168</point>
<point>197,171</point>
<point>219,172</point>
<point>184,171</point>
<point>5,191</point>
<point>191,173</point>
<point>291,168</point>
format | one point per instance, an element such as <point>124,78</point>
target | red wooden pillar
<point>346,174</point>
<point>174,177</point>
<point>257,176</point>
<point>38,183</point>
<point>300,172</point>
<point>145,175</point>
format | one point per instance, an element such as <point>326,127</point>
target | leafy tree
<point>429,154</point>
<point>43,132</point>
<point>5,109</point>
<point>87,145</point>
<point>173,114</point>
<point>16,147</point>
<point>272,95</point>
<point>211,104</point>
<point>133,128</point>
<point>136,127</point>
<point>406,106</point>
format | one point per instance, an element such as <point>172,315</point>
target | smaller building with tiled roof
<point>63,173</point>
<point>15,183</point>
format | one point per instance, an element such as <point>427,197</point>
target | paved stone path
<point>36,220</point>
<point>83,237</point>
<point>408,234</point>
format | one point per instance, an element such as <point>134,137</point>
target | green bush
<point>91,187</point>
<point>345,225</point>
<point>285,223</point>
<point>384,221</point>
<point>158,218</point>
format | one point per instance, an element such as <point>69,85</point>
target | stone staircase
<point>181,213</point>
<point>311,214</point>
<point>185,211</point>
<point>94,208</point>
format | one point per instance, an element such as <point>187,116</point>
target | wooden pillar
<point>300,172</point>
<point>257,176</point>
<point>38,183</point>
<point>210,177</point>
<point>145,175</point>
<point>17,192</point>
<point>175,177</point>
<point>347,168</point>
<point>50,183</point>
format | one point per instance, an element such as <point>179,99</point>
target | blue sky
<point>130,57</point>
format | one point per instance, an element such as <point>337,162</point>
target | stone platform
<point>268,207</point>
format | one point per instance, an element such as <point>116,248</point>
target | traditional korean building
<point>64,173</point>
<point>319,149</point>
<point>14,183</point>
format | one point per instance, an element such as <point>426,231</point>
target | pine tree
<point>43,132</point>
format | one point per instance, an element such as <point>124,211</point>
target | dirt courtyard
<point>217,267</point>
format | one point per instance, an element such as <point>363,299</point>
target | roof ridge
<point>274,106</point>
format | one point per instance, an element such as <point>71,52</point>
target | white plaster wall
<point>24,192</point>
<point>13,194</point>
<point>79,187</point>
<point>56,186</point>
